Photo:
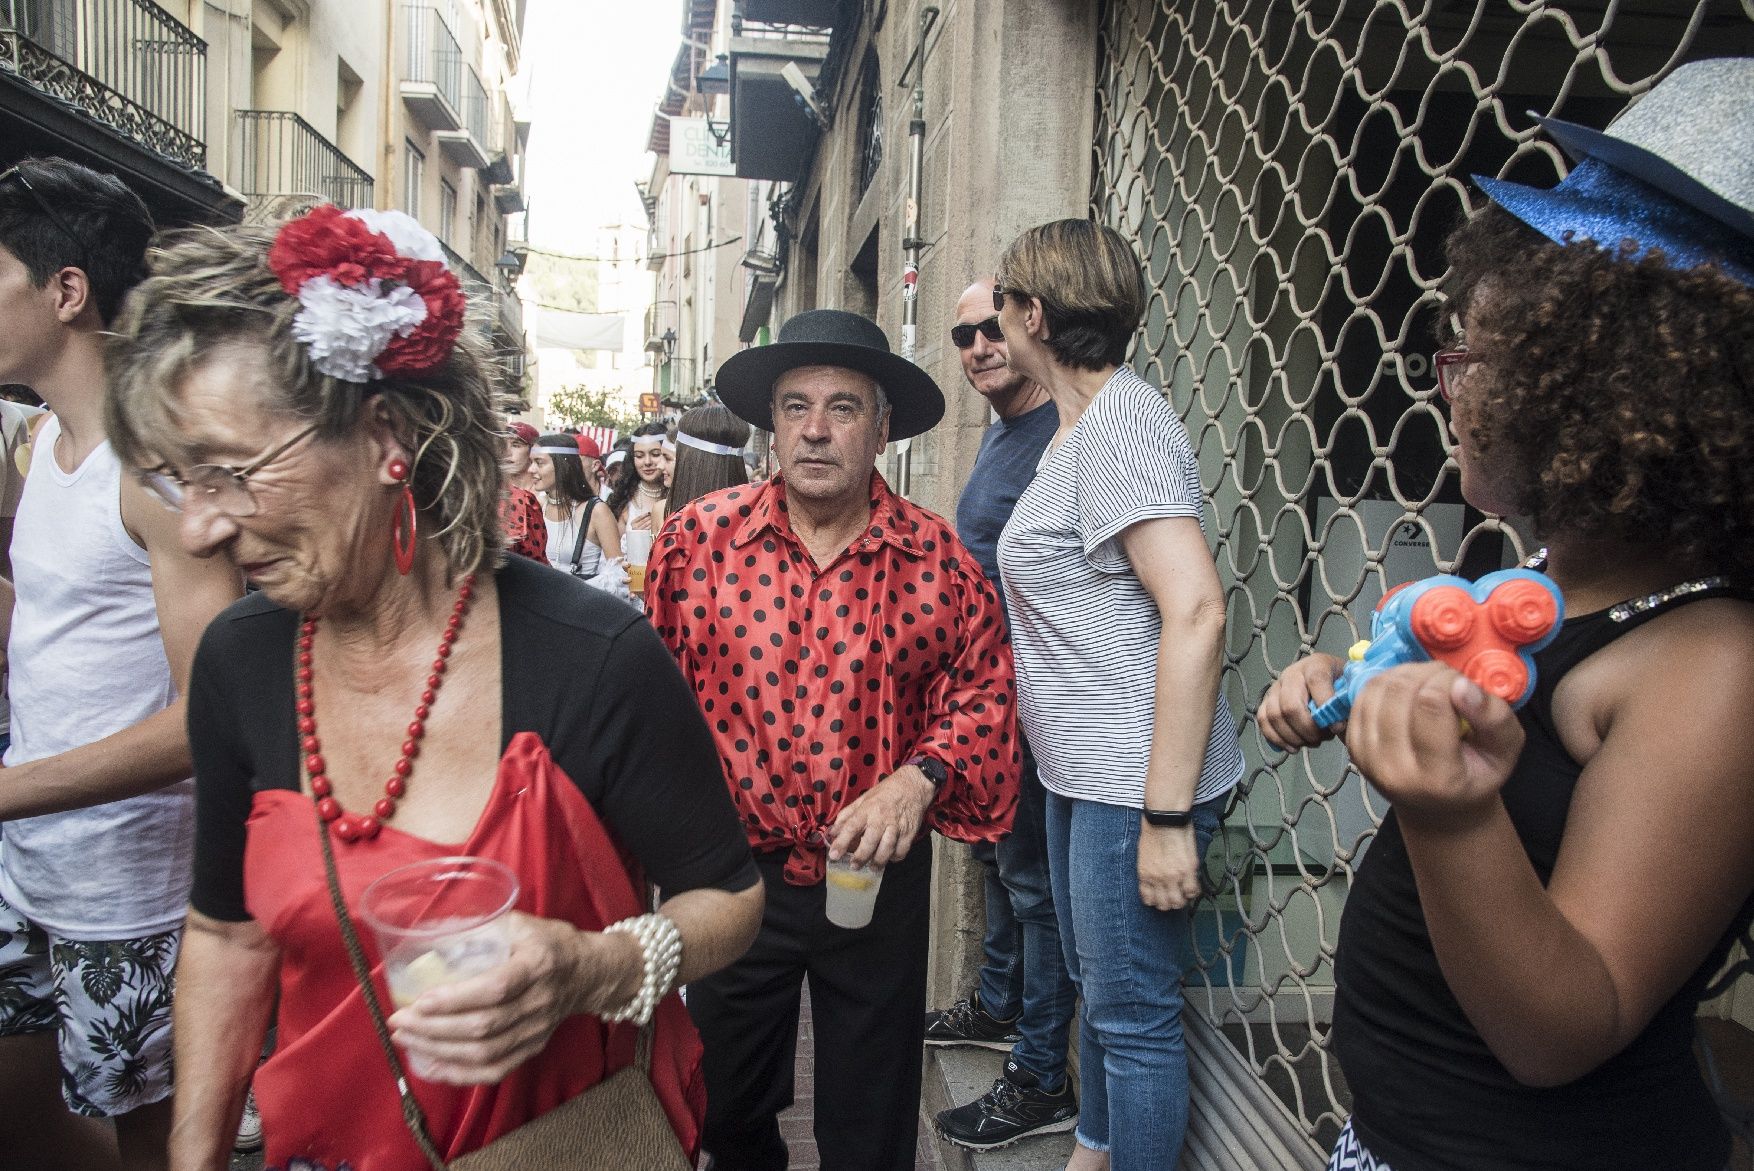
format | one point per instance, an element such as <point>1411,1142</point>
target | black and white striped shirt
<point>1083,628</point>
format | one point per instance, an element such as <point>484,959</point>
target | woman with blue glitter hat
<point>1526,944</point>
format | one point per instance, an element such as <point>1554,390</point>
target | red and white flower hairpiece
<point>375,296</point>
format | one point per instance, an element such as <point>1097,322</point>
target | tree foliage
<point>580,406</point>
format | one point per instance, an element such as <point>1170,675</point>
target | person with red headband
<point>591,460</point>
<point>520,438</point>
<point>520,513</point>
<point>305,398</point>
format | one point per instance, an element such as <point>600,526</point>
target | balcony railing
<point>127,64</point>
<point>467,146</point>
<point>479,290</point>
<point>475,107</point>
<point>281,154</point>
<point>433,72</point>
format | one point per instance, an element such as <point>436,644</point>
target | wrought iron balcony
<point>432,75</point>
<point>467,146</point>
<point>473,282</point>
<point>126,64</point>
<point>483,297</point>
<point>280,154</point>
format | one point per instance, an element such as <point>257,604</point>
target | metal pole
<point>910,233</point>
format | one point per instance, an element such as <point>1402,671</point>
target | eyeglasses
<point>222,486</point>
<point>999,296</point>
<point>1452,367</point>
<point>962,333</point>
<point>46,208</point>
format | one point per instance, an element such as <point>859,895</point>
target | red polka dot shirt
<point>820,682</point>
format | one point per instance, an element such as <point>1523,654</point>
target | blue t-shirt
<point>1010,452</point>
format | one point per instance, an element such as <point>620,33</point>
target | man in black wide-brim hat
<point>851,659</point>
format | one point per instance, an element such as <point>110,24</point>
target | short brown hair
<point>1090,285</point>
<point>206,286</point>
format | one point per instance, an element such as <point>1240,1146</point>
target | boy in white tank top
<point>96,811</point>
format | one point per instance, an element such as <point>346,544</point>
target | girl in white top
<point>1117,626</point>
<point>571,507</point>
<point>641,499</point>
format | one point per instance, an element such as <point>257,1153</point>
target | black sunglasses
<point>962,333</point>
<point>46,208</point>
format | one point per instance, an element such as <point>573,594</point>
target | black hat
<point>830,337</point>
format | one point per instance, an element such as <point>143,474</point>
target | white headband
<point>572,451</point>
<point>703,445</point>
<point>615,457</point>
<point>652,441</point>
<point>670,445</point>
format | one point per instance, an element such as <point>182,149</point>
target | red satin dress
<point>327,1094</point>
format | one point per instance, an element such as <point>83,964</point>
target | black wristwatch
<point>1168,819</point>
<point>933,768</point>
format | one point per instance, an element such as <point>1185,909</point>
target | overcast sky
<point>594,71</point>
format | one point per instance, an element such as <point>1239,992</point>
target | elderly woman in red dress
<point>303,395</point>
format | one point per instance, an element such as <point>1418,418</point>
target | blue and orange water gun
<point>1488,630</point>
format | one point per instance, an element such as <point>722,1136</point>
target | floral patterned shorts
<point>109,1002</point>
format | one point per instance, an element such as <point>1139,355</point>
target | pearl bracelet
<point>661,957</point>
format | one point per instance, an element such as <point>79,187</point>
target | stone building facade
<point>1287,173</point>
<point>215,110</point>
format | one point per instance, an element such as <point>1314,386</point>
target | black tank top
<point>1428,1095</point>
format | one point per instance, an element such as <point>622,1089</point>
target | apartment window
<point>870,139</point>
<point>351,133</point>
<point>414,174</point>
<point>447,210</point>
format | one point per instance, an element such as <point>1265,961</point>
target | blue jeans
<point>1125,959</point>
<point>1024,975</point>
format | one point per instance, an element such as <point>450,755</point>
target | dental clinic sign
<point>696,150</point>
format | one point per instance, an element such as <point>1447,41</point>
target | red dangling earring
<point>405,524</point>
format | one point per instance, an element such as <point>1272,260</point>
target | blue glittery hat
<point>1674,172</point>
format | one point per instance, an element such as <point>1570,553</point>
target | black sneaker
<point>967,1023</point>
<point>1014,1108</point>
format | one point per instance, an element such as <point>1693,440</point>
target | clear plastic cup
<point>636,546</point>
<point>437,922</point>
<point>852,893</point>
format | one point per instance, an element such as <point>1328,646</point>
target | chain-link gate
<point>1288,170</point>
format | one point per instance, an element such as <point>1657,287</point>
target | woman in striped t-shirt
<point>1118,631</point>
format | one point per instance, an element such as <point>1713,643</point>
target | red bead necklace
<point>366,826</point>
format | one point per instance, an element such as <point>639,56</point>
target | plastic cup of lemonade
<point>636,546</point>
<point>852,893</point>
<point>437,922</point>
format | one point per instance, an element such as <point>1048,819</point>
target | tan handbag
<point>617,1124</point>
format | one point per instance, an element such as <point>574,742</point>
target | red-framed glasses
<point>1452,367</point>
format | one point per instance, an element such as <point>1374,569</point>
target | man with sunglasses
<point>96,813</point>
<point>1024,1001</point>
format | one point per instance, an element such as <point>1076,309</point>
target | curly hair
<point>1622,388</point>
<point>206,286</point>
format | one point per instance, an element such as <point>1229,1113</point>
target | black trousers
<point>867,1001</point>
